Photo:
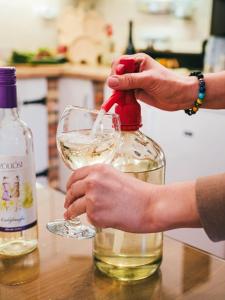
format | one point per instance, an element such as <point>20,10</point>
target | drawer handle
<point>188,133</point>
<point>41,101</point>
<point>43,173</point>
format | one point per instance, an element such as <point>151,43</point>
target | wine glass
<point>84,137</point>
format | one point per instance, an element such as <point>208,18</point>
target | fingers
<point>127,81</point>
<point>75,191</point>
<point>131,80</point>
<point>141,59</point>
<point>77,208</point>
<point>144,61</point>
<point>78,174</point>
<point>144,97</point>
<point>117,61</point>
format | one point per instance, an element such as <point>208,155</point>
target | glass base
<point>127,273</point>
<point>72,228</point>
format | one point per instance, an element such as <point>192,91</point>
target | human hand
<point>114,199</point>
<point>111,199</point>
<point>156,85</point>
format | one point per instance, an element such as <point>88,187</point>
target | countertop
<point>96,73</point>
<point>62,269</point>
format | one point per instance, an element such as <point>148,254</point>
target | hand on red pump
<point>127,107</point>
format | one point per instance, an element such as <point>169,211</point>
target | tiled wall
<point>52,107</point>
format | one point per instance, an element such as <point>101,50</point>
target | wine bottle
<point>129,256</point>
<point>18,214</point>
<point>130,49</point>
<point>19,270</point>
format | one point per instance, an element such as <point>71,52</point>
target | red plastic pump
<point>127,107</point>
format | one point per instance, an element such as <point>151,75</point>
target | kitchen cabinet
<point>194,146</point>
<point>32,95</point>
<point>78,92</point>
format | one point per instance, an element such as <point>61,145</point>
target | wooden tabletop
<point>96,73</point>
<point>62,269</point>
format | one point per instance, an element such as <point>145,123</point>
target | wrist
<point>174,206</point>
<point>184,211</point>
<point>190,92</point>
<point>215,95</point>
<point>154,219</point>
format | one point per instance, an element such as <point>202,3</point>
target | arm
<point>167,90</point>
<point>114,199</point>
<point>215,94</point>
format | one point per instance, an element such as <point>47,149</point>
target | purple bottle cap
<point>8,95</point>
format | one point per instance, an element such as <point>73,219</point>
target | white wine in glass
<point>84,137</point>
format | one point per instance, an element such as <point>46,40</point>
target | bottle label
<point>17,194</point>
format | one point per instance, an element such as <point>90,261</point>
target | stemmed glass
<point>84,137</point>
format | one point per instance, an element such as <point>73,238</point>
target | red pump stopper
<point>127,107</point>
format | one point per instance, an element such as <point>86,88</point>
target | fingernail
<point>113,81</point>
<point>66,215</point>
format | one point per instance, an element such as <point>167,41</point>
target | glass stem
<point>76,221</point>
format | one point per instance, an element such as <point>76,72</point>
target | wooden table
<point>62,269</point>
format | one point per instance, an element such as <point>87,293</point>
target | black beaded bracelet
<point>201,93</point>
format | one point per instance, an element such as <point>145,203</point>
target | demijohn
<point>130,256</point>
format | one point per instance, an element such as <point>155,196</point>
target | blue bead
<point>202,89</point>
<point>201,95</point>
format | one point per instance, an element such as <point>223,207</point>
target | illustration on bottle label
<point>17,195</point>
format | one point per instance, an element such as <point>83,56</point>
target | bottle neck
<point>8,96</point>
<point>129,111</point>
<point>9,114</point>
<point>129,132</point>
<point>131,33</point>
<point>130,47</point>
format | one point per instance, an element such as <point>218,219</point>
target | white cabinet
<point>76,92</point>
<point>194,146</point>
<point>32,95</point>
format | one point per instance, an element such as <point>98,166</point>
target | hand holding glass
<point>84,137</point>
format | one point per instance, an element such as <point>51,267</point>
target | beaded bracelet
<point>201,93</point>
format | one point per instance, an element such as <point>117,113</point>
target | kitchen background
<point>34,22</point>
<point>63,50</point>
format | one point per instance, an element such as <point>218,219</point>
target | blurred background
<point>173,27</point>
<point>63,50</point>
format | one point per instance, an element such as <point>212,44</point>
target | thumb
<point>128,81</point>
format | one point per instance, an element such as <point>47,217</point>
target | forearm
<point>174,206</point>
<point>215,91</point>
